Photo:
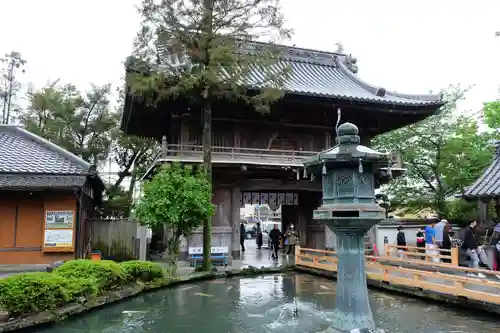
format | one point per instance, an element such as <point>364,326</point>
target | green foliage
<point>74,281</point>
<point>78,121</point>
<point>84,123</point>
<point>142,270</point>
<point>491,111</point>
<point>105,274</point>
<point>206,37</point>
<point>35,292</point>
<point>180,197</point>
<point>443,154</point>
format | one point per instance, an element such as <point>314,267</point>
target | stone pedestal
<point>352,307</point>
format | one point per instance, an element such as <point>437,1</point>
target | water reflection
<point>264,304</point>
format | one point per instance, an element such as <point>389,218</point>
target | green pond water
<point>265,304</point>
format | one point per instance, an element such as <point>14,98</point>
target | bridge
<point>417,277</point>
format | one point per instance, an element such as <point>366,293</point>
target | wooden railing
<point>413,252</point>
<point>194,153</point>
<point>436,281</point>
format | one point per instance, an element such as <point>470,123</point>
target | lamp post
<point>350,173</point>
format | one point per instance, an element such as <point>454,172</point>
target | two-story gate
<point>258,157</point>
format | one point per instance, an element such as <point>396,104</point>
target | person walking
<point>446,243</point>
<point>275,236</point>
<point>292,236</point>
<point>258,236</point>
<point>471,248</point>
<point>243,236</point>
<point>430,242</point>
<point>439,230</point>
<point>401,241</point>
<point>421,242</point>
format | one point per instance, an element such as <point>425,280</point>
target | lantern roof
<point>348,149</point>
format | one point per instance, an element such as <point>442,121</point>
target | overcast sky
<point>408,46</point>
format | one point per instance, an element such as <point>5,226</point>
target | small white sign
<point>214,249</point>
<point>58,238</point>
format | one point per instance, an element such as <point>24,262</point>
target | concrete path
<point>251,257</point>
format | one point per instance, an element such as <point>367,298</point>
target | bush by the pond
<point>75,280</point>
<point>142,270</point>
<point>106,274</point>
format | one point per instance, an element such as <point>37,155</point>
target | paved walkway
<point>251,257</point>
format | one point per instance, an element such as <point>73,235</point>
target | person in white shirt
<point>439,229</point>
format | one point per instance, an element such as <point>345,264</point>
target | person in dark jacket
<point>258,236</point>
<point>275,236</point>
<point>243,236</point>
<point>401,241</point>
<point>446,244</point>
<point>470,245</point>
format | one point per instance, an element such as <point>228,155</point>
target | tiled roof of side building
<point>488,185</point>
<point>28,160</point>
<point>16,181</point>
<point>317,74</point>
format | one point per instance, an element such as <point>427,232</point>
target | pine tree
<point>200,46</point>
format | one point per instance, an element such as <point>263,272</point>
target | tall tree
<point>80,122</point>
<point>200,42</point>
<point>85,124</point>
<point>443,154</point>
<point>491,112</point>
<point>131,153</point>
<point>13,64</point>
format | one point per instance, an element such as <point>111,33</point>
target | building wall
<point>22,227</point>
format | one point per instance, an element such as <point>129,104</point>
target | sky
<point>407,46</point>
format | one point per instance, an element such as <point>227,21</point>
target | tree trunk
<point>206,107</point>
<point>207,164</point>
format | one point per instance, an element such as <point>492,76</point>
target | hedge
<point>73,281</point>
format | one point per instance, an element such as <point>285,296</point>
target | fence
<point>380,269</point>
<point>117,240</point>
<point>418,253</point>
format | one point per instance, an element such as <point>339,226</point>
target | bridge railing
<point>419,253</point>
<point>436,277</point>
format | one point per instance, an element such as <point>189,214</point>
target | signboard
<point>59,219</point>
<point>58,238</point>
<point>213,250</point>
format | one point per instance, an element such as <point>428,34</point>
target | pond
<point>265,304</point>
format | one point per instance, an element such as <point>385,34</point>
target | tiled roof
<point>28,160</point>
<point>488,185</point>
<point>318,74</point>
<point>19,181</point>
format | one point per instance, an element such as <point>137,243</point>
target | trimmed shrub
<point>142,270</point>
<point>75,280</point>
<point>36,292</point>
<point>105,274</point>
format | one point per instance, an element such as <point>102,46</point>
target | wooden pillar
<point>235,223</point>
<point>483,210</point>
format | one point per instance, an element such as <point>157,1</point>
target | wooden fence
<point>418,253</point>
<point>116,239</point>
<point>380,268</point>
